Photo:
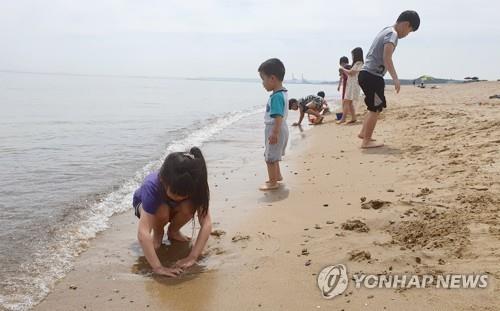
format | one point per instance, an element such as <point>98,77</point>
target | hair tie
<point>189,155</point>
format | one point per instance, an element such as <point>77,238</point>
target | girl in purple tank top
<point>173,196</point>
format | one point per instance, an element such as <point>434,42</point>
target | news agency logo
<point>333,281</point>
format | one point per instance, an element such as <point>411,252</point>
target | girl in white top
<point>353,89</point>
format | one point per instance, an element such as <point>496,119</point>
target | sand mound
<point>433,229</point>
<point>355,225</point>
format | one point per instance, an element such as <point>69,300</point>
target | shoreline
<point>429,146</point>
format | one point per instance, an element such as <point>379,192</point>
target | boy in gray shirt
<point>378,62</point>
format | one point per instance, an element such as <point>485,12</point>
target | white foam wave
<point>42,273</point>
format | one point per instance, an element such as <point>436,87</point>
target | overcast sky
<point>230,38</point>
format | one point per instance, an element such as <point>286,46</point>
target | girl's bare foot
<point>371,144</point>
<point>340,121</point>
<point>269,186</point>
<point>177,236</point>
<point>352,121</point>
<point>362,137</point>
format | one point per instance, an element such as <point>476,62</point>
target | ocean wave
<point>35,279</point>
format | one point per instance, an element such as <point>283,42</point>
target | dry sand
<point>431,205</point>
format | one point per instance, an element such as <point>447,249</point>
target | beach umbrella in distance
<point>426,78</point>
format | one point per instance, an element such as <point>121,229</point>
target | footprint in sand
<point>374,204</point>
<point>359,255</point>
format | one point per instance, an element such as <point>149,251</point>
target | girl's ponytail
<point>201,196</point>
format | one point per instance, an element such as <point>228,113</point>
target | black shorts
<point>137,210</point>
<point>373,86</point>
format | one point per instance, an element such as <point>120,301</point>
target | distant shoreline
<point>220,79</point>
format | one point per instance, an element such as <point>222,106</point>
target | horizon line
<point>138,76</point>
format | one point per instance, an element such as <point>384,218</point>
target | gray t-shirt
<point>375,57</point>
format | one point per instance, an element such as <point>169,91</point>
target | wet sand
<point>427,203</point>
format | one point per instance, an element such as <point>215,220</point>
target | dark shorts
<point>137,210</point>
<point>373,86</point>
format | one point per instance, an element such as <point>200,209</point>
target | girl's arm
<point>350,72</point>
<point>146,241</point>
<point>199,245</point>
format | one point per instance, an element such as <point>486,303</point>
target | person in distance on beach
<point>312,105</point>
<point>352,88</point>
<point>344,63</point>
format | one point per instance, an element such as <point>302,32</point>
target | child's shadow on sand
<point>168,255</point>
<point>277,195</point>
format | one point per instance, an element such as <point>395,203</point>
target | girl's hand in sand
<point>170,272</point>
<point>185,262</point>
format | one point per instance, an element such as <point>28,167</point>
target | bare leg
<point>350,106</point>
<point>273,172</point>
<point>162,217</point>
<point>278,170</point>
<point>319,117</point>
<point>181,215</point>
<point>278,174</point>
<point>314,113</point>
<point>367,131</point>
<point>361,134</point>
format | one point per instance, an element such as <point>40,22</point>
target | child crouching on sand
<point>272,73</point>
<point>173,195</point>
<point>312,105</point>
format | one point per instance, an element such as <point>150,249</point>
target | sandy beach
<point>427,203</point>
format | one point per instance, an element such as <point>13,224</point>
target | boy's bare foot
<point>279,179</point>
<point>270,183</point>
<point>371,144</point>
<point>269,186</point>
<point>177,236</point>
<point>362,137</point>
